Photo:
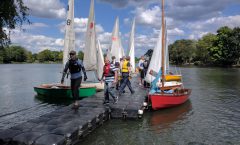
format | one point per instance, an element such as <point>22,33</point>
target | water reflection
<point>164,119</point>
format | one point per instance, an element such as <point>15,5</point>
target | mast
<point>163,45</point>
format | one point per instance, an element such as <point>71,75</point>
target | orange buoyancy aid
<point>125,66</point>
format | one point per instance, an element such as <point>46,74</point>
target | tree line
<point>18,54</point>
<point>220,49</point>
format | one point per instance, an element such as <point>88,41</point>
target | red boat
<point>166,100</point>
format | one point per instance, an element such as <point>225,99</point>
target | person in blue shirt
<point>75,66</point>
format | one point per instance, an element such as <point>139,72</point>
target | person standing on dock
<point>126,69</point>
<point>141,72</point>
<point>117,66</point>
<point>110,78</point>
<point>75,66</point>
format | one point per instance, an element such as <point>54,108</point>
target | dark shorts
<point>142,75</point>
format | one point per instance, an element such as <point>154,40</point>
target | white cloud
<point>175,32</point>
<point>34,26</point>
<point>46,8</point>
<point>36,43</point>
<point>201,28</point>
<point>150,17</point>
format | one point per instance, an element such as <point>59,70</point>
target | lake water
<point>211,116</point>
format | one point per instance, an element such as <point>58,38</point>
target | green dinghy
<point>62,91</point>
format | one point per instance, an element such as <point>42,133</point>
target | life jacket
<point>125,66</point>
<point>107,72</point>
<point>145,64</point>
<point>74,67</point>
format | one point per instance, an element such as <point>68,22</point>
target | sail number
<point>68,21</point>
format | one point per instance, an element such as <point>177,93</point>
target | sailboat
<point>61,90</point>
<point>131,51</point>
<point>156,63</point>
<point>160,95</point>
<point>116,48</point>
<point>169,76</point>
<point>93,57</point>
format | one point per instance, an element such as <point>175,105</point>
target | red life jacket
<point>107,70</point>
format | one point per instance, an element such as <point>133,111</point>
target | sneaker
<point>133,92</point>
<point>115,100</point>
<point>75,106</point>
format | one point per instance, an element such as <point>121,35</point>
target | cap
<point>72,52</point>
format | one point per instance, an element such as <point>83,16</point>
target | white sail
<point>166,52</point>
<point>90,59</point>
<point>69,40</point>
<point>100,60</point>
<point>121,47</point>
<point>131,47</point>
<point>156,60</point>
<point>116,46</point>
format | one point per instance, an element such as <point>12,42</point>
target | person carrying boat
<point>126,69</point>
<point>75,66</point>
<point>109,77</point>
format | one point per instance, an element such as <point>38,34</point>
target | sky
<point>186,19</point>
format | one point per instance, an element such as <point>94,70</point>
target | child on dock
<point>110,78</point>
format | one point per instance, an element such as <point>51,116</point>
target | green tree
<point>235,45</point>
<point>60,56</point>
<point>225,50</point>
<point>14,54</point>
<point>182,51</point>
<point>30,57</point>
<point>13,13</point>
<point>35,57</point>
<point>55,55</point>
<point>45,55</point>
<point>19,54</point>
<point>80,55</point>
<point>203,47</point>
<point>1,56</point>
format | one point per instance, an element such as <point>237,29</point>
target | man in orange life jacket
<point>110,78</point>
<point>75,66</point>
<point>126,69</point>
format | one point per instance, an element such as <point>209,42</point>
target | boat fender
<point>145,104</point>
<point>89,125</point>
<point>140,112</point>
<point>80,131</point>
<point>68,139</point>
<point>97,119</point>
